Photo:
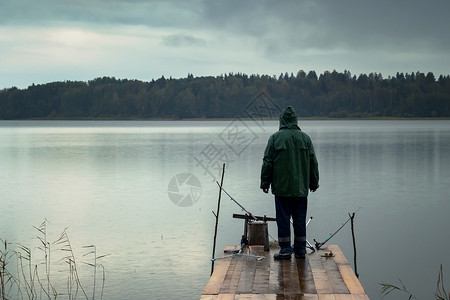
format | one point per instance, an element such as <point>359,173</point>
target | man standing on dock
<point>291,169</point>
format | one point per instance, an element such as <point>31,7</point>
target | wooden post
<point>217,220</point>
<point>245,236</point>
<point>354,244</point>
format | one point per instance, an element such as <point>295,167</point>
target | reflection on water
<point>108,182</point>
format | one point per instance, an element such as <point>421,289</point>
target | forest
<point>328,95</point>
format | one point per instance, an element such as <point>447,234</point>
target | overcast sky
<point>56,40</point>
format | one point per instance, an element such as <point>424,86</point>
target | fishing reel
<point>317,244</point>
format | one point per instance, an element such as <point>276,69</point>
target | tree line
<point>331,94</point>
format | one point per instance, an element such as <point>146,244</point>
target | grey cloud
<point>182,40</point>
<point>152,13</point>
<point>274,26</point>
<point>345,33</point>
<point>332,24</point>
<point>289,24</point>
<point>394,22</point>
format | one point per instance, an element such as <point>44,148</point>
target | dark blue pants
<point>295,207</point>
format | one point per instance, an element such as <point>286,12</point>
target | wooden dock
<point>314,278</point>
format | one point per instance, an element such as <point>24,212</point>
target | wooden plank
<point>334,276</point>
<point>256,297</point>
<point>339,257</point>
<point>305,276</point>
<point>226,297</point>
<point>217,278</point>
<point>209,297</point>
<point>351,297</point>
<point>309,297</point>
<point>312,278</point>
<point>247,217</point>
<point>276,274</point>
<point>243,297</point>
<point>326,297</point>
<point>353,284</point>
<point>218,297</point>
<point>319,274</point>
<point>360,297</point>
<point>262,274</point>
<point>344,297</point>
<point>226,286</point>
<point>232,278</point>
<point>321,281</point>
<point>247,276</point>
<point>290,277</point>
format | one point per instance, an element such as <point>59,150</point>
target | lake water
<point>113,184</point>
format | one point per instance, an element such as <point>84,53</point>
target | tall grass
<point>25,273</point>
<point>440,293</point>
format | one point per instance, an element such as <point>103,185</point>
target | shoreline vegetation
<point>440,293</point>
<point>231,119</point>
<point>331,95</point>
<point>38,272</point>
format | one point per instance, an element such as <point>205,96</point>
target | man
<point>290,168</point>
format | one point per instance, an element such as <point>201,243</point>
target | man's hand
<point>265,190</point>
<point>312,191</point>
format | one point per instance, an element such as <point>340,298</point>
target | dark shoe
<point>300,256</point>
<point>286,255</point>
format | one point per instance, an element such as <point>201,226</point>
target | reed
<point>4,274</point>
<point>31,280</point>
<point>440,293</point>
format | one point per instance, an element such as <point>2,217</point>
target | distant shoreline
<point>228,119</point>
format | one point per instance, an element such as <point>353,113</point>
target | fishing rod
<point>243,208</point>
<point>318,245</point>
<point>255,218</point>
<point>238,253</point>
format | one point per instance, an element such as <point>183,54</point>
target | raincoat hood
<point>288,119</point>
<point>290,165</point>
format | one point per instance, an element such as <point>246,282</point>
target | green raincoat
<point>290,165</point>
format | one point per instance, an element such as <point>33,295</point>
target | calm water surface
<point>108,183</point>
